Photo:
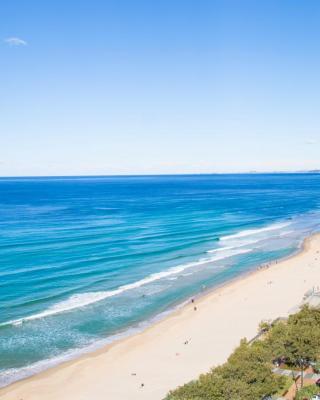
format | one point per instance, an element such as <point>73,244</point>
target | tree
<point>248,372</point>
<point>264,326</point>
<point>302,342</point>
<point>307,392</point>
<point>247,375</point>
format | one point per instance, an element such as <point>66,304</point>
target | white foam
<point>14,374</point>
<point>251,232</point>
<point>236,245</point>
<point>11,375</point>
<point>221,249</point>
<point>284,233</point>
<point>84,299</point>
<point>243,241</point>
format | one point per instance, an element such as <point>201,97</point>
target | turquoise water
<point>83,260</point>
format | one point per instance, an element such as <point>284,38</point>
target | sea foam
<point>250,232</point>
<point>80,300</point>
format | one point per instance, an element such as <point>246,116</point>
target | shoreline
<point>105,343</point>
<point>128,353</point>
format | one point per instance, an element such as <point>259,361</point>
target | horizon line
<point>314,171</point>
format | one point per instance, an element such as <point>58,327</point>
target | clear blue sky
<point>170,86</point>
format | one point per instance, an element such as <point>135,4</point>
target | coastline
<point>158,356</point>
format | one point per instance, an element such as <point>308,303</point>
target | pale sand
<point>159,357</point>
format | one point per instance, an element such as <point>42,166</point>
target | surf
<point>251,232</point>
<point>81,300</point>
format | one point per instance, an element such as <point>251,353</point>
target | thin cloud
<point>15,41</point>
<point>311,141</point>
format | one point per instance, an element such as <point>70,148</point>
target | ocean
<point>86,260</point>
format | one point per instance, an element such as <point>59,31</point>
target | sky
<point>158,87</point>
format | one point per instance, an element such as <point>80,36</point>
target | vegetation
<point>264,326</point>
<point>316,367</point>
<point>248,375</point>
<point>298,340</point>
<point>307,392</point>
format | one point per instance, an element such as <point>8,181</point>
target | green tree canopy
<point>248,372</point>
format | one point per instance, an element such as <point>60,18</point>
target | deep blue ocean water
<point>83,260</point>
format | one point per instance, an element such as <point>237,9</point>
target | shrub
<point>307,392</point>
<point>247,375</point>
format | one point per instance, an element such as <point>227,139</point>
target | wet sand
<point>188,342</point>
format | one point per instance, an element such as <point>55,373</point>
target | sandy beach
<point>185,344</point>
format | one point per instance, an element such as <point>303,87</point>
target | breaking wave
<point>84,299</point>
